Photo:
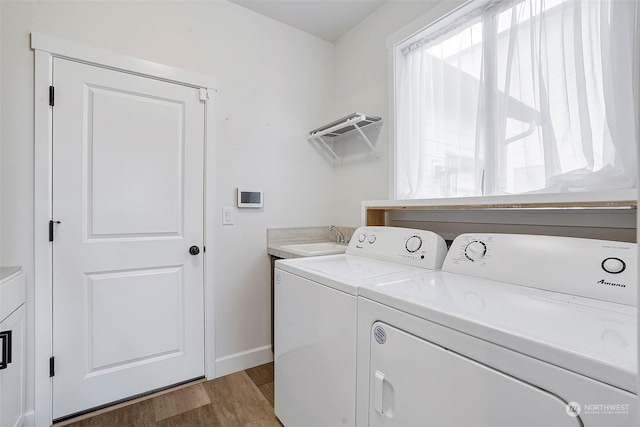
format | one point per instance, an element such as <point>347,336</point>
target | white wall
<point>362,84</point>
<point>274,83</point>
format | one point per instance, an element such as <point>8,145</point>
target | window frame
<point>445,14</point>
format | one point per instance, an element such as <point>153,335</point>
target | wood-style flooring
<point>241,399</point>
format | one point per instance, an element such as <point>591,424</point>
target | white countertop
<point>8,271</point>
<point>278,237</point>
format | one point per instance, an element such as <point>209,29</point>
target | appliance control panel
<point>599,269</point>
<point>407,246</point>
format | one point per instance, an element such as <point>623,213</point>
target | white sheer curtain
<point>519,96</point>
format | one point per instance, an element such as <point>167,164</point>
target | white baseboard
<point>29,419</point>
<point>244,360</point>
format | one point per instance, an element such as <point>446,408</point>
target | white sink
<point>313,249</point>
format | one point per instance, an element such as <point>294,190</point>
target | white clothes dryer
<point>316,318</point>
<point>514,331</point>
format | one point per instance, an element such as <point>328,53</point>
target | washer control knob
<point>413,243</point>
<point>361,238</point>
<point>475,250</point>
<point>613,265</point>
<point>372,238</point>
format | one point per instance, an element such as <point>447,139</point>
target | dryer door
<point>416,383</point>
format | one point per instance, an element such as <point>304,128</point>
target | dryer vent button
<point>380,334</point>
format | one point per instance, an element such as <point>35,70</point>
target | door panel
<point>128,189</point>
<point>149,181</point>
<point>113,315</point>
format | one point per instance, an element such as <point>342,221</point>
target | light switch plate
<point>227,218</point>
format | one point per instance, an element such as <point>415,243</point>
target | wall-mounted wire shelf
<point>352,122</point>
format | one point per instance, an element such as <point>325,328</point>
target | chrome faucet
<point>340,237</point>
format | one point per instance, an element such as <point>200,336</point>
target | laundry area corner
<point>231,212</point>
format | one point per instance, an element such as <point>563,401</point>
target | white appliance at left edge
<point>316,319</point>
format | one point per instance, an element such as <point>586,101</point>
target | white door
<point>128,192</point>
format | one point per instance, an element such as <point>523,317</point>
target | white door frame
<point>46,48</point>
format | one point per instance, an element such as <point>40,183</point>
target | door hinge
<point>52,370</point>
<point>51,96</point>
<point>51,224</point>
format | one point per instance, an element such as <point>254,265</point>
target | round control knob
<point>613,265</point>
<point>475,250</point>
<point>372,239</point>
<point>194,250</point>
<point>413,243</point>
<point>361,238</point>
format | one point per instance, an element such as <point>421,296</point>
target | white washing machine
<point>514,331</point>
<point>316,319</point>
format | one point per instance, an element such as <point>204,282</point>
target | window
<point>513,97</point>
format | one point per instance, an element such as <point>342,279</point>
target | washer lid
<point>352,267</point>
<point>594,338</point>
<point>342,271</point>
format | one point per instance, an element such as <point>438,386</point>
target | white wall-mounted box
<point>250,198</point>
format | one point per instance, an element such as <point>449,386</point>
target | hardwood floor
<point>240,399</point>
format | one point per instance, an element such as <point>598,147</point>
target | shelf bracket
<point>364,137</point>
<point>333,153</point>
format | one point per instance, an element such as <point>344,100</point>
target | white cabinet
<point>12,347</point>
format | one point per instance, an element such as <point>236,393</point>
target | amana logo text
<point>604,282</point>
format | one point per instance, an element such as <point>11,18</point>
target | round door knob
<point>194,250</point>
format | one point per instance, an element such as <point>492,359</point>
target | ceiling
<point>327,19</point>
